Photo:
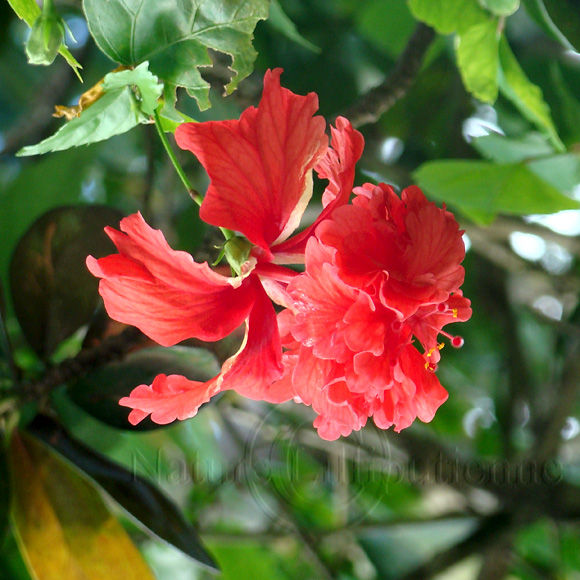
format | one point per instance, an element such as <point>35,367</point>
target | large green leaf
<point>478,59</point>
<point>98,392</point>
<point>29,11</point>
<point>481,189</point>
<point>53,181</point>
<point>129,98</point>
<point>141,499</point>
<point>175,37</point>
<point>61,523</point>
<point>448,16</point>
<point>504,149</point>
<point>52,291</point>
<point>561,171</point>
<point>525,95</point>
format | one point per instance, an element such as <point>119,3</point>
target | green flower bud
<point>237,251</point>
<point>46,36</point>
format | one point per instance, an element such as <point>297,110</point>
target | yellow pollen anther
<point>454,310</point>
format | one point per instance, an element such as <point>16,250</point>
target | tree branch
<point>380,99</point>
<point>112,348</point>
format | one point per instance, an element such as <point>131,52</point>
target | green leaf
<point>537,10</point>
<point>561,171</point>
<point>501,7</point>
<point>52,291</point>
<point>29,11</point>
<point>98,393</point>
<point>481,189</point>
<point>478,60</point>
<point>53,181</point>
<point>147,84</point>
<point>175,38</point>
<point>116,112</point>
<point>448,16</point>
<point>504,149</point>
<point>4,490</point>
<point>280,22</point>
<point>11,562</point>
<point>136,495</point>
<point>62,525</point>
<point>566,16</point>
<point>525,95</point>
<point>8,372</point>
<point>171,118</point>
<point>388,24</point>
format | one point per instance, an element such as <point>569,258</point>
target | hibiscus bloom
<point>260,168</point>
<point>381,272</point>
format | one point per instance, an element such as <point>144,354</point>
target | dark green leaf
<point>49,183</point>
<point>525,95</point>
<point>7,368</point>
<point>566,16</point>
<point>4,490</point>
<point>116,112</point>
<point>11,562</point>
<point>537,10</point>
<point>98,393</point>
<point>282,24</point>
<point>175,38</point>
<point>61,523</point>
<point>135,494</point>
<point>478,59</point>
<point>53,292</point>
<point>481,189</point>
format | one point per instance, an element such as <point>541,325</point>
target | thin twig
<point>380,99</point>
<point>112,348</point>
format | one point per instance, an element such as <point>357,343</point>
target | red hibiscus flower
<point>380,273</point>
<point>261,181</point>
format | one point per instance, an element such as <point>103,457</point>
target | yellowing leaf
<point>62,525</point>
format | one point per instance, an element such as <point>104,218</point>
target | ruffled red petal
<point>170,397</point>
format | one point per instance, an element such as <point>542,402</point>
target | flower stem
<point>193,193</point>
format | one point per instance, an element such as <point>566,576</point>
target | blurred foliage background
<point>478,103</point>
